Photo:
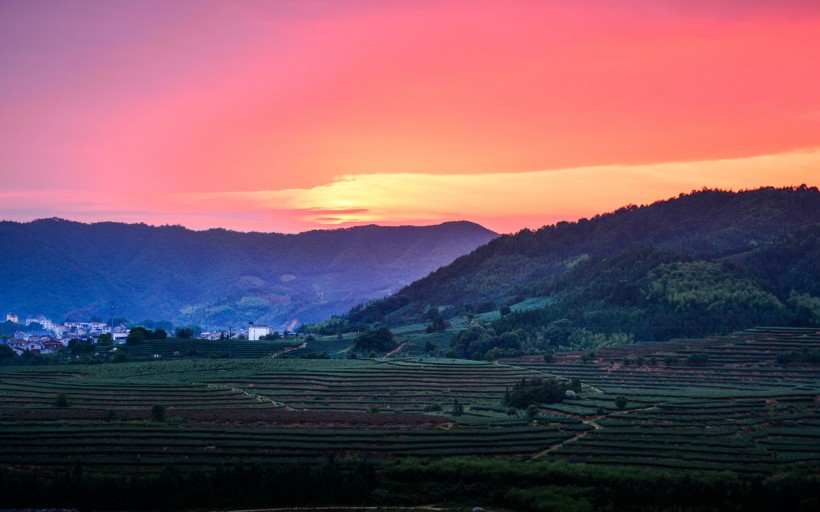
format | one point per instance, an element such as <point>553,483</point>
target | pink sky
<point>287,116</point>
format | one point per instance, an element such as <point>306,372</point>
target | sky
<point>287,115</point>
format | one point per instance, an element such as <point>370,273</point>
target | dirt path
<point>288,349</point>
<point>395,350</point>
<point>595,426</point>
<point>579,435</point>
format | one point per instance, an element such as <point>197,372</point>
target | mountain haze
<point>216,277</point>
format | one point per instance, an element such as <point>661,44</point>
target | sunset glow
<point>287,116</point>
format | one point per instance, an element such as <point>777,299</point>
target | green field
<point>738,410</point>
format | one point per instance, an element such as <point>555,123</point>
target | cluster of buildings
<point>52,337</point>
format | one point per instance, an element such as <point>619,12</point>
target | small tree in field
<point>532,411</point>
<point>61,400</point>
<point>621,402</point>
<point>158,412</point>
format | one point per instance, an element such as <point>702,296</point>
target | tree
<point>137,335</point>
<point>532,411</point>
<point>458,409</point>
<point>6,352</point>
<point>698,358</point>
<point>104,339</point>
<point>121,357</point>
<point>185,333</point>
<point>437,324</point>
<point>621,402</point>
<point>158,412</point>
<point>536,391</point>
<point>380,339</point>
<point>61,400</point>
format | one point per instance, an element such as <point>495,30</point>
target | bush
<point>158,412</point>
<point>380,339</point>
<point>698,358</point>
<point>61,400</point>
<point>536,390</point>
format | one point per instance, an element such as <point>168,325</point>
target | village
<point>41,336</point>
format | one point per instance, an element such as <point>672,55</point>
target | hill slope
<point>215,277</point>
<point>701,263</point>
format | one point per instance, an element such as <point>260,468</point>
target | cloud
<point>504,202</point>
<point>503,199</point>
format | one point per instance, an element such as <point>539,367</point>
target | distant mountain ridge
<point>709,261</point>
<point>216,277</point>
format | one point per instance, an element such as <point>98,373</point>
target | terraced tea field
<point>262,410</point>
<point>735,408</point>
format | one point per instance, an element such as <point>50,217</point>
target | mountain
<point>707,262</point>
<point>217,277</point>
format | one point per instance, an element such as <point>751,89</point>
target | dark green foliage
<point>241,486</point>
<point>6,353</point>
<point>480,343</point>
<point>805,308</point>
<point>458,409</point>
<point>536,391</point>
<point>710,262</point>
<point>78,347</point>
<point>158,412</point>
<point>621,402</point>
<point>61,400</point>
<point>437,323</point>
<point>136,336</point>
<point>376,340</point>
<point>375,311</point>
<point>315,355</point>
<point>804,356</point>
<point>185,333</point>
<point>697,359</point>
<point>554,486</point>
<point>141,334</point>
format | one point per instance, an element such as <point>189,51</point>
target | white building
<point>257,331</point>
<point>120,334</point>
<point>12,317</point>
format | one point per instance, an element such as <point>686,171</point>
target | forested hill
<point>691,254</point>
<point>216,277</point>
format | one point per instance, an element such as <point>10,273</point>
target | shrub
<point>61,400</point>
<point>158,412</point>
